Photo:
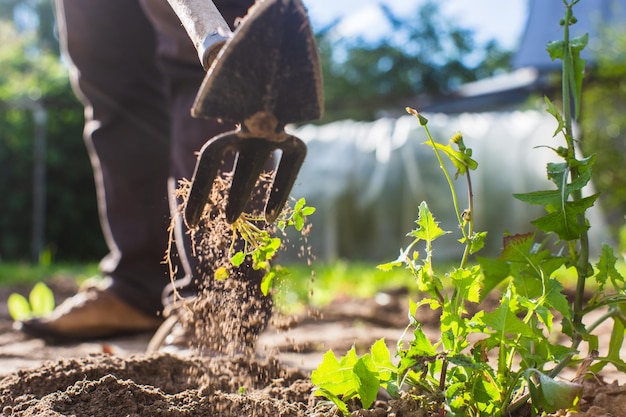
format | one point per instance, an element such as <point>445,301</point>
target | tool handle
<point>205,25</point>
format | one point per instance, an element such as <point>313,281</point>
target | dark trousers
<point>137,73</point>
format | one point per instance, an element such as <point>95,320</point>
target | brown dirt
<point>81,380</point>
<point>114,377</point>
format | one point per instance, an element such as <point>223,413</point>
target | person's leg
<point>112,49</point>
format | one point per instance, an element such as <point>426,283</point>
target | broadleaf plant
<point>513,361</point>
<point>39,303</point>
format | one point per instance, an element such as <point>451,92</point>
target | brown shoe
<point>93,313</point>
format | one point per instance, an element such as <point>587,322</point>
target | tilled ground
<point>115,377</point>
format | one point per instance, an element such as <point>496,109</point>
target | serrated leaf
<point>19,308</point>
<point>555,297</point>
<point>382,359</point>
<point>428,229</point>
<point>334,375</point>
<point>504,322</point>
<point>556,114</point>
<point>420,345</point>
<point>41,300</point>
<point>558,173</point>
<point>368,386</point>
<point>516,248</point>
<point>564,222</point>
<point>606,268</point>
<point>467,283</point>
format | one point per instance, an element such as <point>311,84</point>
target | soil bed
<point>274,382</point>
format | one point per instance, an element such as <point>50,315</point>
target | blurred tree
<point>32,76</point>
<point>424,54</point>
<point>603,123</point>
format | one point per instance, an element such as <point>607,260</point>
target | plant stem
<point>448,178</point>
<point>582,257</point>
<point>470,227</point>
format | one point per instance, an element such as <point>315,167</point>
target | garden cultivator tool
<point>265,76</point>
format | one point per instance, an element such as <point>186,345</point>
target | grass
<point>319,284</point>
<point>14,273</point>
<point>315,285</point>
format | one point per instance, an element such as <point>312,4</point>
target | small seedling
<point>260,246</point>
<point>40,302</point>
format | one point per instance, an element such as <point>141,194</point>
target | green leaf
<point>616,341</point>
<point>299,204</point>
<point>307,211</point>
<point>368,386</point>
<point>576,45</point>
<point>558,395</point>
<point>343,408</point>
<point>516,248</point>
<point>19,308</point>
<point>461,161</point>
<point>41,300</point>
<point>555,297</point>
<point>238,258</point>
<point>382,359</point>
<point>298,221</point>
<point>389,266</point>
<point>564,222</point>
<point>428,229</point>
<point>467,283</point>
<point>505,322</point>
<point>557,115</point>
<point>420,345</point>
<point>606,268</point>
<point>477,242</point>
<point>494,272</point>
<point>541,197</point>
<point>556,49</point>
<point>266,282</point>
<point>334,375</point>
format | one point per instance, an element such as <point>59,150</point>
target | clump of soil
<point>158,385</point>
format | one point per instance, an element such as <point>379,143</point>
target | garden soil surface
<point>116,378</point>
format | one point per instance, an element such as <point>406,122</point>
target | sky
<point>502,20</point>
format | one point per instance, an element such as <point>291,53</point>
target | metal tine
<point>251,159</point>
<point>209,162</point>
<point>293,154</point>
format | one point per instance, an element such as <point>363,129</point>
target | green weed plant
<point>40,302</point>
<point>492,363</point>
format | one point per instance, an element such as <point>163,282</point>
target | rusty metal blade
<point>251,158</point>
<point>270,65</point>
<point>294,152</point>
<point>207,166</point>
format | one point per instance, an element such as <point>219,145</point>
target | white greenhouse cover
<point>367,179</point>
